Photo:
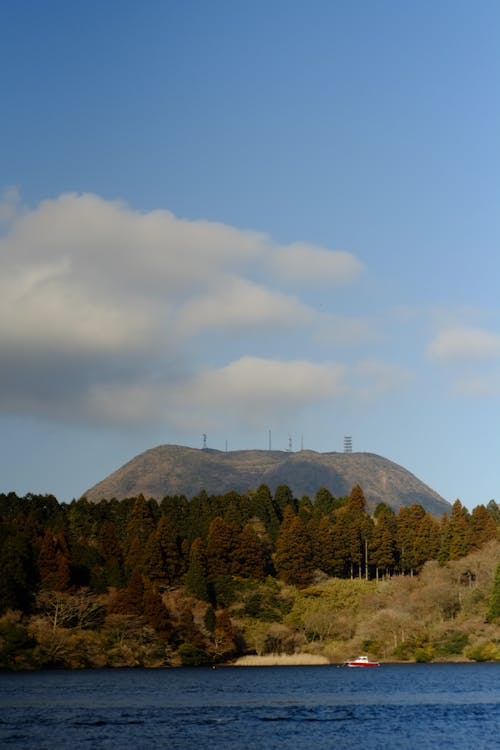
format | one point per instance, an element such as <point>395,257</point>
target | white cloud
<point>10,203</point>
<point>305,264</point>
<point>335,330</point>
<point>465,343</point>
<point>252,390</point>
<point>102,307</point>
<point>237,303</point>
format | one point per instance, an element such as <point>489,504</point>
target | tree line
<point>83,564</point>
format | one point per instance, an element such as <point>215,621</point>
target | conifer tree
<point>460,532</point>
<point>139,527</point>
<point>261,506</point>
<point>54,563</point>
<point>110,550</point>
<point>221,545</point>
<point>250,556</point>
<point>155,612</point>
<point>483,527</point>
<point>161,561</point>
<point>325,547</point>
<point>196,576</point>
<point>294,558</point>
<point>494,606</point>
<point>383,546</point>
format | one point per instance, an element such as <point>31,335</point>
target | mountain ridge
<point>180,470</point>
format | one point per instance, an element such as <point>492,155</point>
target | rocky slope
<point>176,470</point>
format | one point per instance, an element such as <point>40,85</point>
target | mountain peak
<point>180,470</point>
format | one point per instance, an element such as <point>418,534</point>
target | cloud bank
<point>113,316</point>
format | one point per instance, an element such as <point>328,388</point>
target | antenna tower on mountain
<point>348,444</point>
<point>204,442</point>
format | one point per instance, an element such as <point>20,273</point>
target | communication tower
<point>348,444</point>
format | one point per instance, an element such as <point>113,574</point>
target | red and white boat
<point>361,661</point>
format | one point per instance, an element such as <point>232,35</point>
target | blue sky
<point>230,217</point>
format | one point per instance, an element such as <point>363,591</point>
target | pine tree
<point>294,558</point>
<point>460,531</point>
<point>54,563</point>
<point>221,545</point>
<point>408,521</point>
<point>383,546</point>
<point>110,550</point>
<point>250,558</point>
<point>326,546</point>
<point>196,576</point>
<point>155,613</point>
<point>139,527</point>
<point>494,606</point>
<point>483,527</point>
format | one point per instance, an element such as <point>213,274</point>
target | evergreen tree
<point>383,545</point>
<point>494,606</point>
<point>483,527</point>
<point>17,572</point>
<point>283,497</point>
<point>327,549</point>
<point>110,550</point>
<point>140,524</point>
<point>460,532</point>
<point>221,545</point>
<point>162,562</point>
<point>155,613</point>
<point>261,505</point>
<point>294,558</point>
<point>196,576</point>
<point>53,562</point>
<point>408,521</point>
<point>250,557</point>
<point>130,600</point>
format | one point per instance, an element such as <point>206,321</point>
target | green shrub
<point>192,655</point>
<point>452,643</point>
<point>485,651</point>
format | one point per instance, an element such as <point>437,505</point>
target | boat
<point>361,661</point>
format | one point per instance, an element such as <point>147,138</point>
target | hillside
<point>178,470</point>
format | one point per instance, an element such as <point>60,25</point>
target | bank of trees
<point>113,567</point>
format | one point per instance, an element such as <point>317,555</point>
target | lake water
<point>396,706</point>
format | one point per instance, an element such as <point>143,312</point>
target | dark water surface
<point>396,706</point>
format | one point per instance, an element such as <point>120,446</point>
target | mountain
<point>178,470</point>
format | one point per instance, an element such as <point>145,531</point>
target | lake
<point>396,706</point>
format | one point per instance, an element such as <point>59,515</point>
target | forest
<point>212,578</point>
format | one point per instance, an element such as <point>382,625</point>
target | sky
<point>249,220</point>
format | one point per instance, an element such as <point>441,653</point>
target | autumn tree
<point>140,524</point>
<point>162,562</point>
<point>294,558</point>
<point>354,528</point>
<point>494,605</point>
<point>54,563</point>
<point>457,539</point>
<point>221,545</point>
<point>155,613</point>
<point>130,600</point>
<point>383,544</point>
<point>17,577</point>
<point>196,577</point>
<point>223,636</point>
<point>251,557</point>
<point>110,551</point>
<point>328,552</point>
<point>483,526</point>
